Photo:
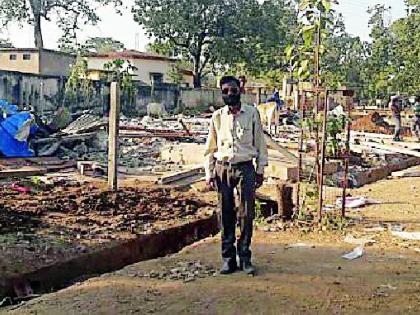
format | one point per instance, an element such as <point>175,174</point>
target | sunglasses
<point>233,90</point>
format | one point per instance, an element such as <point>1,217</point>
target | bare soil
<point>54,223</point>
<point>308,278</point>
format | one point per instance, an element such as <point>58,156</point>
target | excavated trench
<point>52,237</point>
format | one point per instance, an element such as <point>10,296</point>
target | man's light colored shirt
<point>235,138</point>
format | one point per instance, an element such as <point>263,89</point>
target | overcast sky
<point>125,29</point>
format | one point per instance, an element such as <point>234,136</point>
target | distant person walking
<point>234,143</point>
<point>415,123</point>
<point>395,108</point>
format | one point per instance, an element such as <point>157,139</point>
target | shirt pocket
<point>245,135</point>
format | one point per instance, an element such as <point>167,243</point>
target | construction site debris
<point>15,128</point>
<point>355,253</point>
<point>356,202</point>
<point>411,236</point>
<point>184,271</point>
<point>358,241</point>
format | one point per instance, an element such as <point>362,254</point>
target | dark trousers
<point>242,177</point>
<point>397,121</point>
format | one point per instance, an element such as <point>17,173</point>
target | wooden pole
<point>347,160</point>
<point>114,119</point>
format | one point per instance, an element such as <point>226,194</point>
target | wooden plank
<point>392,148</point>
<point>23,172</point>
<point>167,179</point>
<point>114,119</point>
<point>275,146</point>
<point>370,135</point>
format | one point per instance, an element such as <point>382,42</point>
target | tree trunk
<point>197,72</point>
<point>39,42</point>
<point>197,80</point>
<point>36,11</point>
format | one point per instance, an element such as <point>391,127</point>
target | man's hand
<point>211,183</point>
<point>259,179</point>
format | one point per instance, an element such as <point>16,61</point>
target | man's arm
<point>211,148</point>
<point>260,145</point>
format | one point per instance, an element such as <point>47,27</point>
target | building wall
<point>41,92</point>
<point>188,80</point>
<point>145,67</point>
<point>55,63</point>
<point>19,65</point>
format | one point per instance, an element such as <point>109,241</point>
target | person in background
<point>395,108</point>
<point>276,98</point>
<point>234,143</point>
<point>415,123</point>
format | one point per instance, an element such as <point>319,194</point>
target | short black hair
<point>227,79</point>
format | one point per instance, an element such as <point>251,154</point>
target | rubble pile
<point>375,123</point>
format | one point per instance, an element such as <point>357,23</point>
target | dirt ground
<point>65,219</point>
<point>297,272</point>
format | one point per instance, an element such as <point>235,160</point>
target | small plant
<point>121,71</point>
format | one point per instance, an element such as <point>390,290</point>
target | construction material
<point>355,253</point>
<point>392,148</point>
<point>114,119</point>
<point>275,146</point>
<point>410,236</point>
<point>285,201</point>
<point>168,179</point>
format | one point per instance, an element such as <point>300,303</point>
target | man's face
<point>231,95</point>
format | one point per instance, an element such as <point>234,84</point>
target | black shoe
<point>247,267</point>
<point>228,267</point>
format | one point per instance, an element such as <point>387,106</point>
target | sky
<point>126,30</point>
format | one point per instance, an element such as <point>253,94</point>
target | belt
<point>230,164</point>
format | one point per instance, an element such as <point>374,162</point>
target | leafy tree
<point>78,86</point>
<point>199,31</point>
<point>163,49</point>
<point>70,14</point>
<point>102,45</point>
<point>5,43</point>
<point>406,47</point>
<point>259,53</point>
<point>344,58</point>
<point>121,71</point>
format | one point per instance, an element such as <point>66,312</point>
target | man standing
<point>235,141</point>
<point>396,117</point>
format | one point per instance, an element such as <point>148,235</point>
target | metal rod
<point>322,164</point>
<point>301,107</point>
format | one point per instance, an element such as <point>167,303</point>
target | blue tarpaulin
<point>15,127</point>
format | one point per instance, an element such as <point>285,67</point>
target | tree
<point>259,53</point>
<point>406,46</point>
<point>5,43</point>
<point>102,45</point>
<point>344,58</point>
<point>199,31</point>
<point>70,14</point>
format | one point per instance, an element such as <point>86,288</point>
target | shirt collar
<point>226,109</point>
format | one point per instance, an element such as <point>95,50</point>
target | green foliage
<point>316,19</point>
<point>175,74</point>
<point>217,34</point>
<point>5,43</point>
<point>335,126</point>
<point>78,85</point>
<point>102,45</point>
<point>121,71</point>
